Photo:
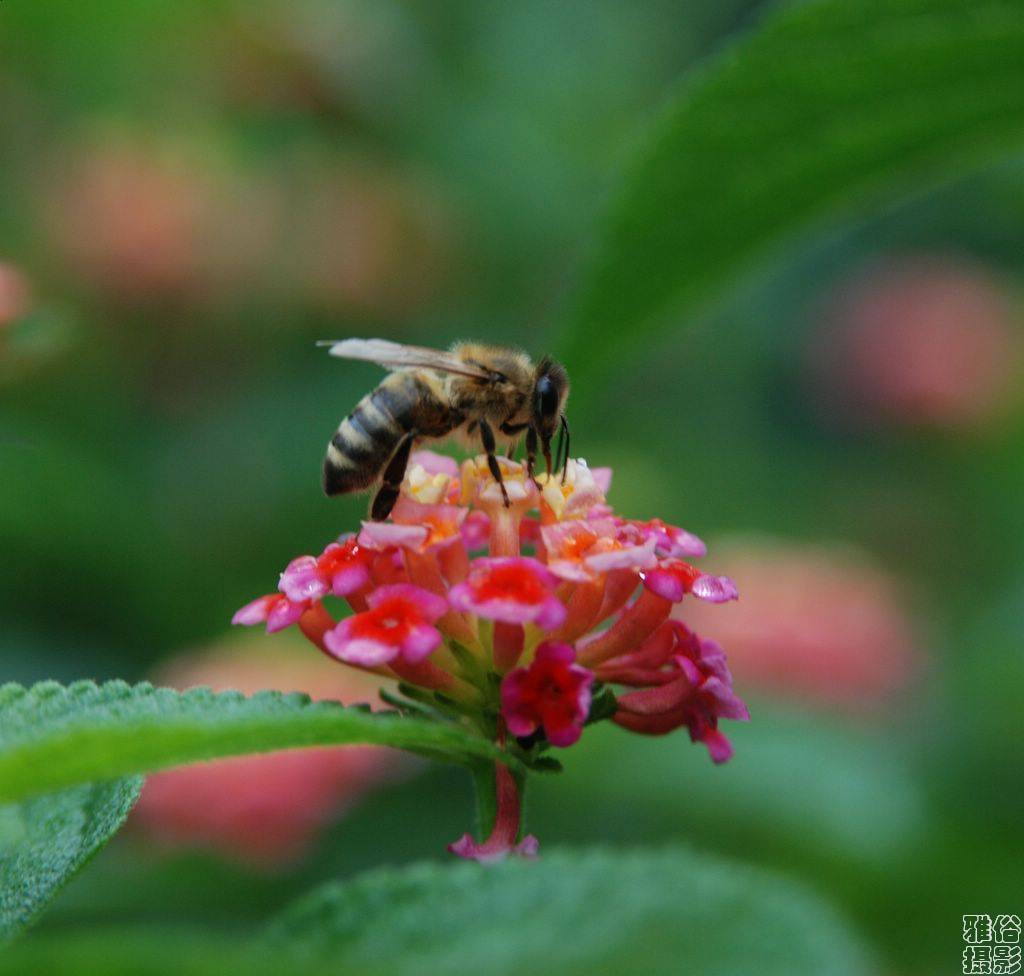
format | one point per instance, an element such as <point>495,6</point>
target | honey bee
<point>473,390</point>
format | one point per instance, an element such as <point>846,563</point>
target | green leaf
<point>52,736</point>
<point>659,912</point>
<point>852,802</point>
<point>151,950</point>
<point>827,106</point>
<point>45,840</point>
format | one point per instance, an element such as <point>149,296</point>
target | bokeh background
<point>192,193</point>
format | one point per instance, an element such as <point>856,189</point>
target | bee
<point>477,391</point>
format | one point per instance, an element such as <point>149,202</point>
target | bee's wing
<point>394,355</point>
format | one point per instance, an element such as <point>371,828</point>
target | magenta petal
<point>350,579</point>
<point>603,478</point>
<point>301,581</point>
<point>430,605</point>
<point>714,589</point>
<point>283,614</point>
<point>518,723</point>
<point>719,747</point>
<point>563,736</point>
<point>489,853</point>
<point>529,846</point>
<point>476,529</point>
<point>358,650</point>
<point>727,704</point>
<point>683,544</point>
<point>435,463</point>
<point>460,597</point>
<point>255,612</point>
<point>468,848</point>
<point>384,535</point>
<point>690,670</point>
<point>631,557</point>
<point>570,570</point>
<point>509,611</point>
<point>558,652</point>
<point>551,615</point>
<point>664,584</point>
<point>421,640</point>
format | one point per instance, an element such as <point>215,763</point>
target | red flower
<point>514,590</point>
<point>343,568</point>
<point>552,693</point>
<point>695,689</point>
<point>274,609</point>
<point>674,578</point>
<point>399,623</point>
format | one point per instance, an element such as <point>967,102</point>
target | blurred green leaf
<point>827,105</point>
<point>798,788</point>
<point>152,950</point>
<point>667,911</point>
<point>52,736</point>
<point>45,840</point>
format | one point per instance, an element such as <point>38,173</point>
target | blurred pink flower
<point>817,624</point>
<point>265,809</point>
<point>14,294</point>
<point>367,238</point>
<point>131,220</point>
<point>918,341</point>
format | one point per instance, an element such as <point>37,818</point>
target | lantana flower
<point>522,622</point>
<point>552,693</point>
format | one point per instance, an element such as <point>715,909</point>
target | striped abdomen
<point>369,435</point>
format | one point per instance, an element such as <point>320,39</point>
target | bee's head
<point>550,390</point>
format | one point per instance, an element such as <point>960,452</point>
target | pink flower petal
<point>384,535</point>
<point>551,615</point>
<point>302,581</point>
<point>631,557</point>
<point>565,735</point>
<point>485,853</point>
<point>283,614</point>
<point>715,589</point>
<point>476,530</point>
<point>686,544</point>
<point>665,584</point>
<point>435,463</point>
<point>719,747</point>
<point>255,612</point>
<point>420,642</point>
<point>350,579</point>
<point>571,570</point>
<point>360,650</point>
<point>430,606</point>
<point>551,692</point>
<point>603,479</point>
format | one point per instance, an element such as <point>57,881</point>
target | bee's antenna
<point>564,429</point>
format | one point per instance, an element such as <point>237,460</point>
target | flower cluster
<point>524,622</point>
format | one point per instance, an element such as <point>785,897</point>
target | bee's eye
<point>546,397</point>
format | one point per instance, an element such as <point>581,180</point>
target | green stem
<point>485,787</point>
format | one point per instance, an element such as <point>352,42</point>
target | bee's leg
<point>565,455</point>
<point>487,436</point>
<point>394,473</point>
<point>531,454</point>
<point>546,451</point>
<point>512,431</point>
